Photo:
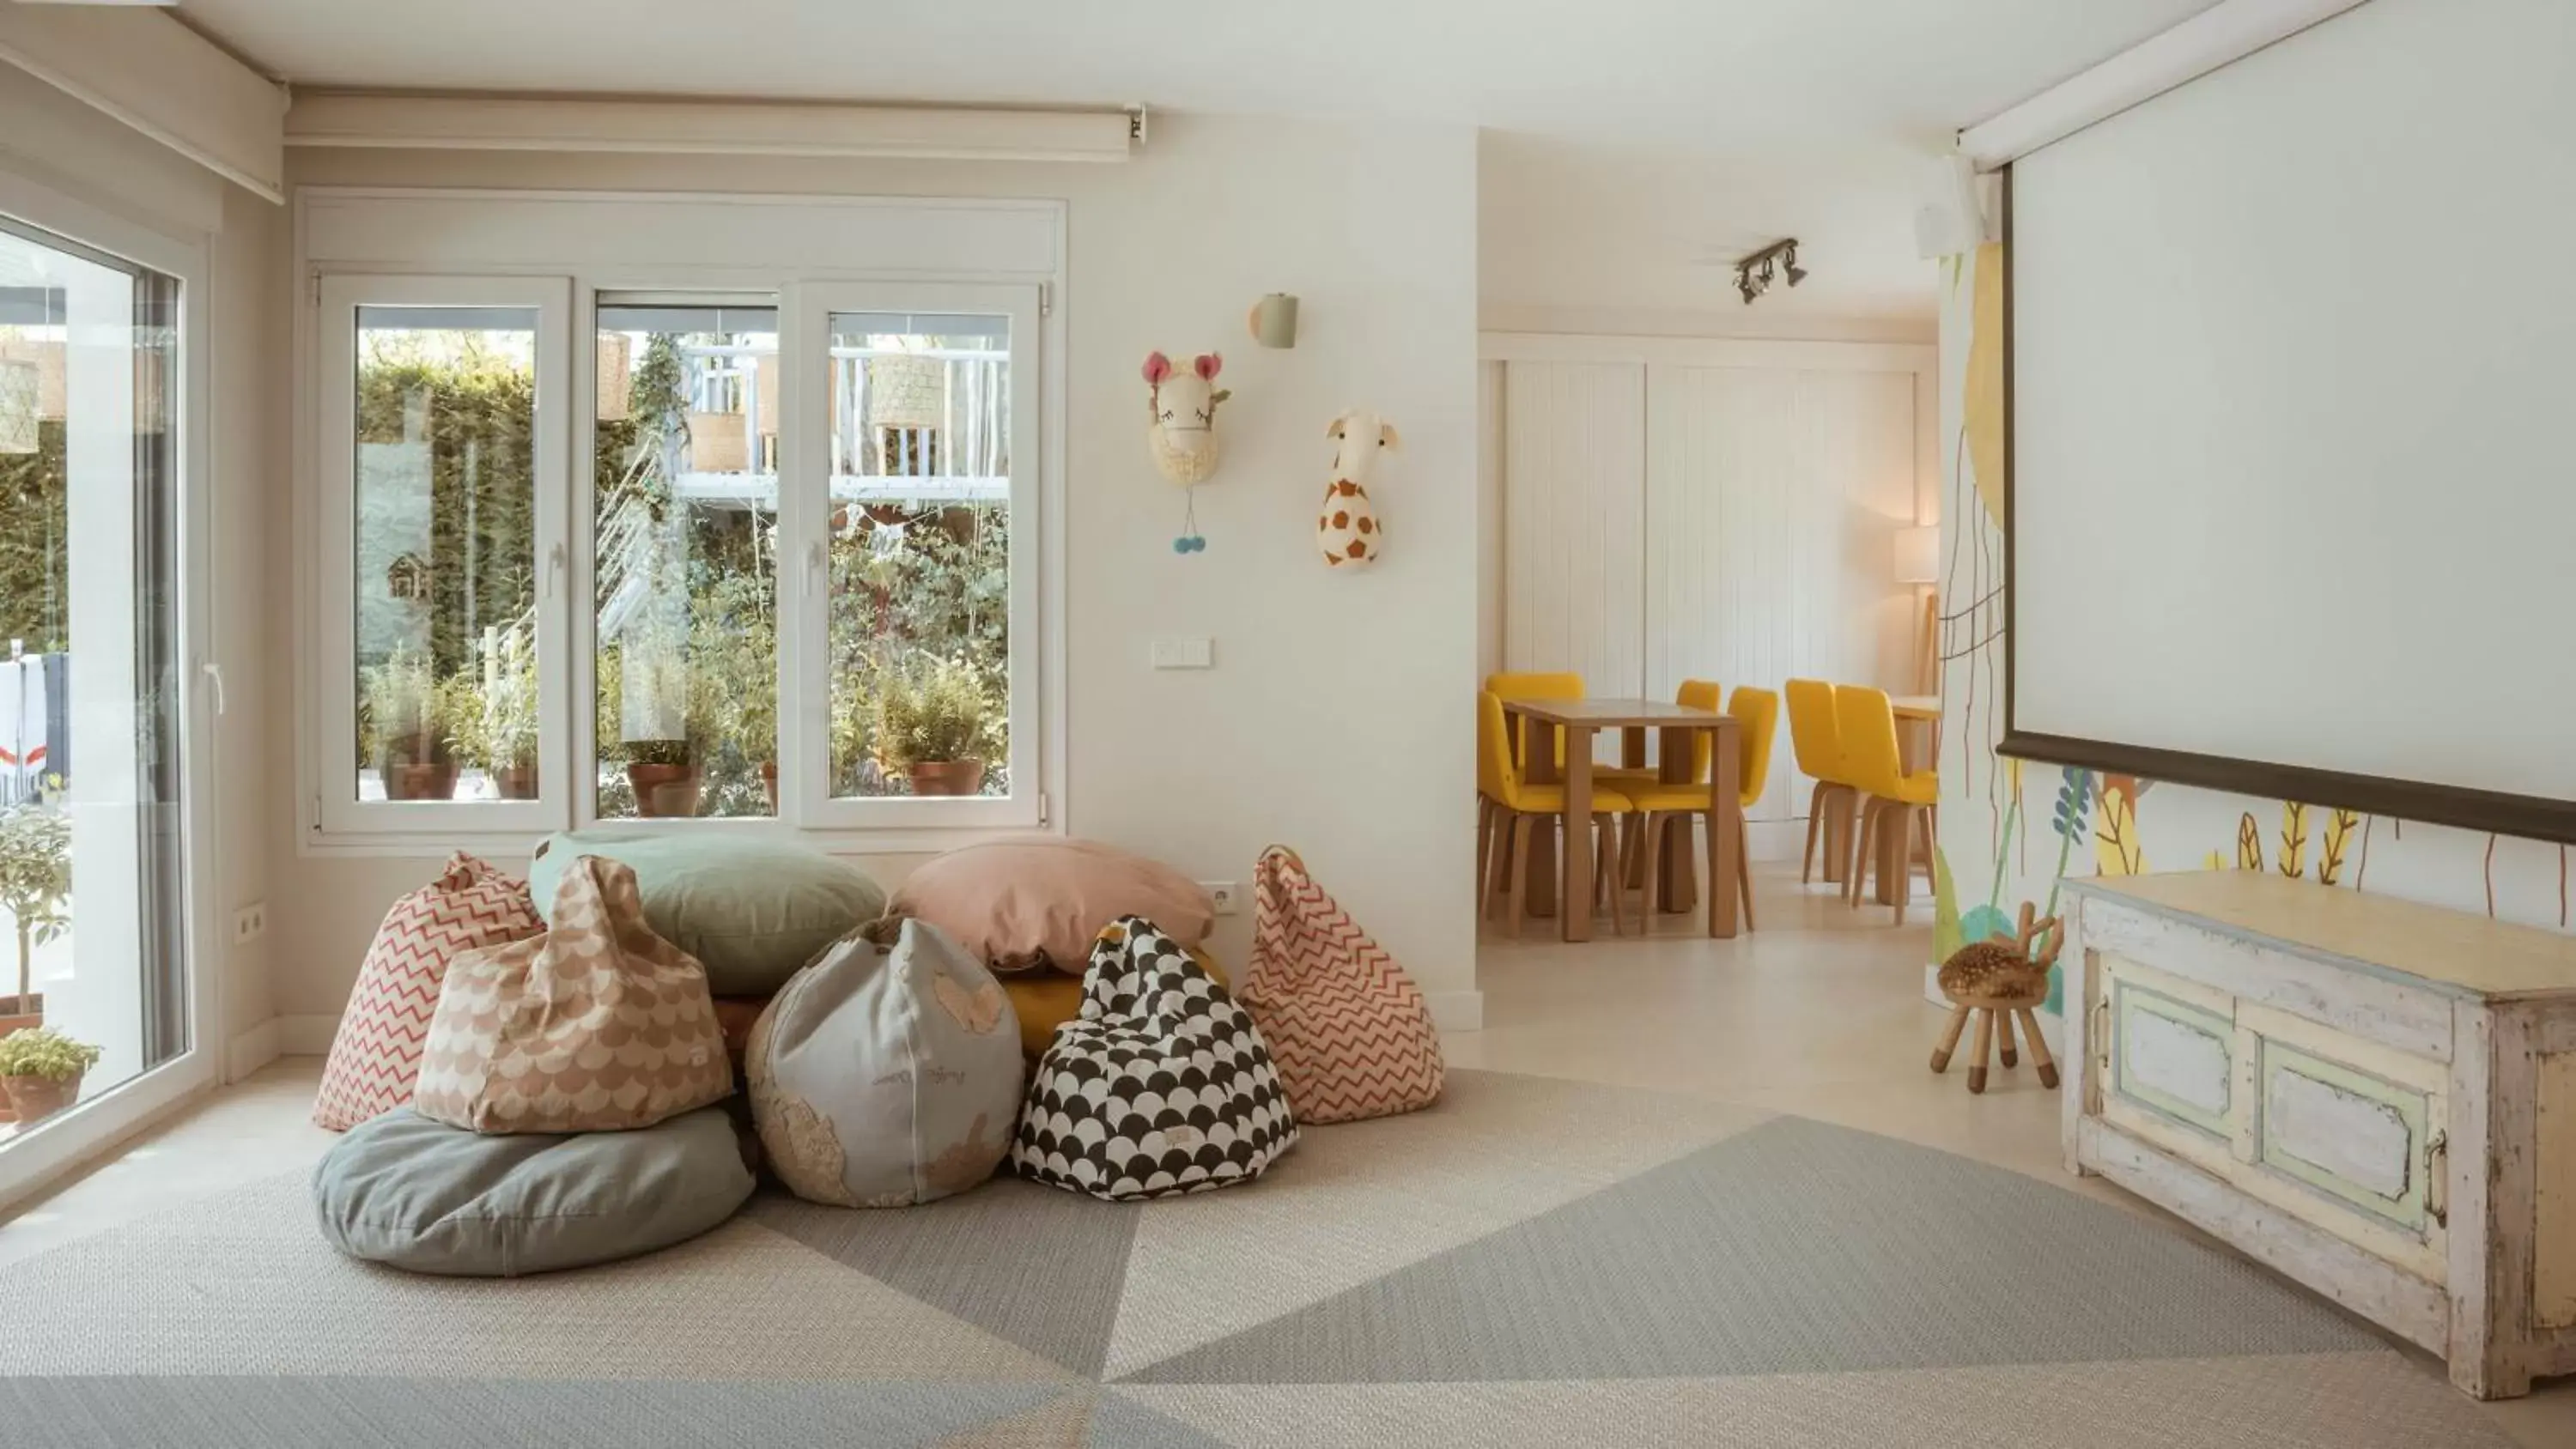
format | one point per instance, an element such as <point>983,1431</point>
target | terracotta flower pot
<point>664,791</point>
<point>19,1014</point>
<point>420,782</point>
<point>769,783</point>
<point>37,1098</point>
<point>945,777</point>
<point>519,782</point>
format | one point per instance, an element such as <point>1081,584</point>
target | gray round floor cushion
<point>403,1190</point>
<point>888,1072</point>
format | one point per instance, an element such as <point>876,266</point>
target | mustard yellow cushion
<point>1046,1000</point>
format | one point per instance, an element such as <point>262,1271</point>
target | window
<point>807,540</point>
<point>92,691</point>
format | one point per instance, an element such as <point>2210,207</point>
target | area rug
<point>1533,1262</point>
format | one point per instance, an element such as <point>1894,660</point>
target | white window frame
<point>35,1159</point>
<point>660,244</point>
<point>805,524</point>
<point>337,808</point>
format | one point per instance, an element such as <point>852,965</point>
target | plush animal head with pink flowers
<point>1184,406</point>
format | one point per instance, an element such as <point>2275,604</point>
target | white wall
<point>1334,716</point>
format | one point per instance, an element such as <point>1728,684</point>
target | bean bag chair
<point>375,1058</point>
<point>421,1195</point>
<point>1027,905</point>
<point>596,1026</point>
<point>1348,1029</point>
<point>1161,1086</point>
<point>888,1072</point>
<point>751,911</point>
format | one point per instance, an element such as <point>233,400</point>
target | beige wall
<point>1336,716</point>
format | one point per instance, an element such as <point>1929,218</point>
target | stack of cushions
<point>1161,1087</point>
<point>1030,910</point>
<point>888,1072</point>
<point>375,1058</point>
<point>562,1113</point>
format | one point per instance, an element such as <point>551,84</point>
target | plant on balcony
<point>491,713</point>
<point>934,723</point>
<point>36,890</point>
<point>41,1069</point>
<point>405,712</point>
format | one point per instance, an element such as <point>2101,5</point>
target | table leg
<point>1539,767</point>
<point>1680,853</point>
<point>1725,832</point>
<point>1575,898</point>
<point>1632,755</point>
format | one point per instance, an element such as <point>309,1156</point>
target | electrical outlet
<point>1224,893</point>
<point>250,923</point>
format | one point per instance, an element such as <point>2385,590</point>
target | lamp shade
<point>1918,555</point>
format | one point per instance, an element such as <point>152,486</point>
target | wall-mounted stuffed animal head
<point>1184,403</point>
<point>1358,437</point>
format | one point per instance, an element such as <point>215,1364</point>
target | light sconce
<point>1754,274</point>
<point>1274,320</point>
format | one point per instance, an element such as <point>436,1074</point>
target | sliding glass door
<point>93,686</point>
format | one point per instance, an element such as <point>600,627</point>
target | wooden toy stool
<point>1997,982</point>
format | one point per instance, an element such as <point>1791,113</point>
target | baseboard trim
<point>306,1035</point>
<point>1457,1010</point>
<point>251,1051</point>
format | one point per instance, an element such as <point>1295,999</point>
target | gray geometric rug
<point>1533,1262</point>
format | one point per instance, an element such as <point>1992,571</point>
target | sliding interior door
<point>1574,518</point>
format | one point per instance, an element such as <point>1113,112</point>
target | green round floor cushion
<point>888,1072</point>
<point>751,911</point>
<point>402,1190</point>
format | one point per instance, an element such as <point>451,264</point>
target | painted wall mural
<point>2013,832</point>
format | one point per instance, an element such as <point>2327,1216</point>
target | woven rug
<point>1533,1262</point>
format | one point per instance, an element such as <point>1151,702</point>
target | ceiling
<point>1686,125</point>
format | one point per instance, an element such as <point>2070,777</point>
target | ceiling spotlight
<point>1754,274</point>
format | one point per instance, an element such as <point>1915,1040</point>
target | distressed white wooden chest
<point>2375,1098</point>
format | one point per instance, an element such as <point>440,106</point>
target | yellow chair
<point>1867,730</point>
<point>1514,808</point>
<point>1817,741</point>
<point>1508,685</point>
<point>1757,719</point>
<point>1696,694</point>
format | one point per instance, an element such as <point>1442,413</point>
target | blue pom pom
<point>1181,544</point>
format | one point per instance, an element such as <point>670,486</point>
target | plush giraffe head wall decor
<point>1347,530</point>
<point>1182,406</point>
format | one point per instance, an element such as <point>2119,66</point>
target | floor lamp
<point>1918,563</point>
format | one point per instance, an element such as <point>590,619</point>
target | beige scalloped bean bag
<point>887,1073</point>
<point>596,1026</point>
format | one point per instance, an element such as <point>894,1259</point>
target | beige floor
<point>1818,1012</point>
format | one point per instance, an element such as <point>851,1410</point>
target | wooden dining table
<point>1579,722</point>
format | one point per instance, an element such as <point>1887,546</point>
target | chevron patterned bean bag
<point>1161,1087</point>
<point>1348,1029</point>
<point>375,1059</point>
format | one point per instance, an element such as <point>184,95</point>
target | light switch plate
<point>1185,653</point>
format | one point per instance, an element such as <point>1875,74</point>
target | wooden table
<point>1579,720</point>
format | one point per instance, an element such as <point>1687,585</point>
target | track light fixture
<point>1754,274</point>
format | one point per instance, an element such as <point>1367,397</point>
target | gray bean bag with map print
<point>887,1072</point>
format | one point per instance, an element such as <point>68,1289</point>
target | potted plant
<point>934,724</point>
<point>405,703</point>
<point>665,776</point>
<point>41,1069</point>
<point>505,720</point>
<point>36,890</point>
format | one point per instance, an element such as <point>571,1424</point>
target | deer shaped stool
<point>1996,981</point>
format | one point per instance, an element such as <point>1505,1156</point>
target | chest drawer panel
<point>2173,1058</point>
<point>2345,1133</point>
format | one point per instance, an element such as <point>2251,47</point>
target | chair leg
<point>1499,873</point>
<point>1949,1038</point>
<point>1856,872</point>
<point>1516,906</point>
<point>1650,848</point>
<point>1614,885</point>
<point>2004,1039</point>
<point>1815,828</point>
<point>1743,867</point>
<point>1485,845</point>
<point>2039,1056</point>
<point>1897,852</point>
<point>1985,1043</point>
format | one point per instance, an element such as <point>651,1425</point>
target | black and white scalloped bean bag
<point>1162,1086</point>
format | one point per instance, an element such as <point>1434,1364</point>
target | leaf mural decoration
<point>1946,937</point>
<point>1981,412</point>
<point>2073,817</point>
<point>2249,843</point>
<point>2294,839</point>
<point>2215,861</point>
<point>2117,849</point>
<point>2339,828</point>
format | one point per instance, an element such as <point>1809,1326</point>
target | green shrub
<point>933,714</point>
<point>44,1052</point>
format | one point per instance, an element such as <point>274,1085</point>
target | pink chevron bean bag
<point>375,1059</point>
<point>1348,1030</point>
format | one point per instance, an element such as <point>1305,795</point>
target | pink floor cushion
<point>1161,1087</point>
<point>375,1059</point>
<point>1349,1030</point>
